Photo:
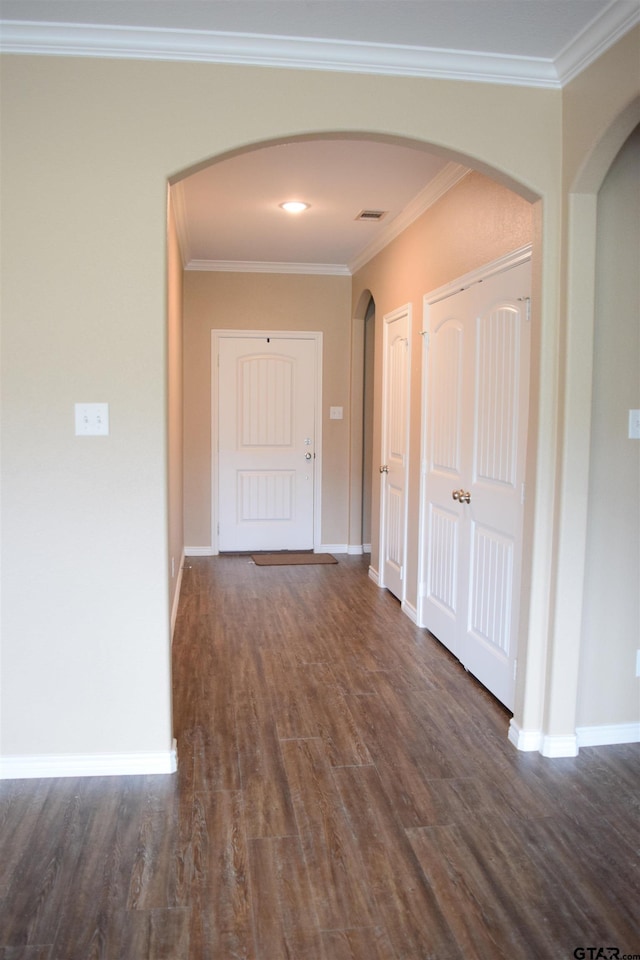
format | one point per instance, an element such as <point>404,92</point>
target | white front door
<point>266,442</point>
<point>477,406</point>
<point>395,450</point>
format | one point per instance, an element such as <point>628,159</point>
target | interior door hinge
<point>427,338</point>
<point>527,302</point>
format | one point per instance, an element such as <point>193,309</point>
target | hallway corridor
<point>345,791</point>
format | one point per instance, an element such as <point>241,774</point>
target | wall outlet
<point>634,424</point>
<point>336,413</point>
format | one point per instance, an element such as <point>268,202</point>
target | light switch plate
<point>92,419</point>
<point>336,413</point>
<point>634,424</point>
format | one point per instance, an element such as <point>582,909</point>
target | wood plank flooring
<point>345,792</point>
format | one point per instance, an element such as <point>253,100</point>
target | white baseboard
<point>525,740</point>
<point>89,765</point>
<point>176,596</point>
<point>559,746</point>
<point>199,552</point>
<point>355,549</point>
<point>331,548</point>
<point>608,734</point>
<point>366,548</point>
<point>374,575</point>
<point>410,611</point>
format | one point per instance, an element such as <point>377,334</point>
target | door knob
<point>461,496</point>
<point>384,469</point>
<point>307,455</point>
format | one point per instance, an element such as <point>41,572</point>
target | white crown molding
<point>264,266</point>
<point>151,43</point>
<point>614,21</point>
<point>441,184</point>
<point>144,43</point>
<point>147,43</point>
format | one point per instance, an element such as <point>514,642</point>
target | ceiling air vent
<point>371,215</point>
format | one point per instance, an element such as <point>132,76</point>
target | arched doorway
<point>357,492</point>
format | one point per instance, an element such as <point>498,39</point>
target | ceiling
<point>228,215</point>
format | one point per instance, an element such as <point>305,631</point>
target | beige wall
<point>475,223</point>
<point>174,408</point>
<point>609,691</point>
<point>87,147</point>
<point>241,301</point>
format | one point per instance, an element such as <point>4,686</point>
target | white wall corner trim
<point>525,740</point>
<point>89,765</point>
<point>608,734</point>
<point>374,575</point>
<point>559,746</point>
<point>199,552</point>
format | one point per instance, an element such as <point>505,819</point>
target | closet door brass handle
<point>384,468</point>
<point>461,496</point>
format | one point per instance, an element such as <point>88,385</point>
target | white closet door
<point>477,403</point>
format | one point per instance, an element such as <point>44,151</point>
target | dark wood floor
<point>345,792</point>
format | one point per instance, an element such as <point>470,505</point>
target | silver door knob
<point>461,496</point>
<point>384,468</point>
<point>307,455</point>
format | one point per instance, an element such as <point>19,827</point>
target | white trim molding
<point>307,53</point>
<point>89,765</point>
<point>374,575</point>
<point>608,734</point>
<point>527,741</point>
<point>265,266</point>
<point>559,746</point>
<point>199,552</point>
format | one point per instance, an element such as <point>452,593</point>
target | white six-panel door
<point>475,444</point>
<point>395,449</point>
<point>266,430</point>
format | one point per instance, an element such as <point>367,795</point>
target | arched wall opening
<point>566,730</point>
<point>359,472</point>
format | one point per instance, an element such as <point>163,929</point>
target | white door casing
<point>474,443</point>
<point>265,440</point>
<point>394,464</point>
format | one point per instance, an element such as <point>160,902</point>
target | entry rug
<point>286,559</point>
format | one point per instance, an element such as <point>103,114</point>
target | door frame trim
<point>506,262</point>
<point>316,337</point>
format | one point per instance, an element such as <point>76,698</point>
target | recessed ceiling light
<point>295,206</point>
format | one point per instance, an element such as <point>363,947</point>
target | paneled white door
<point>477,409</point>
<point>395,450</point>
<point>266,443</point>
